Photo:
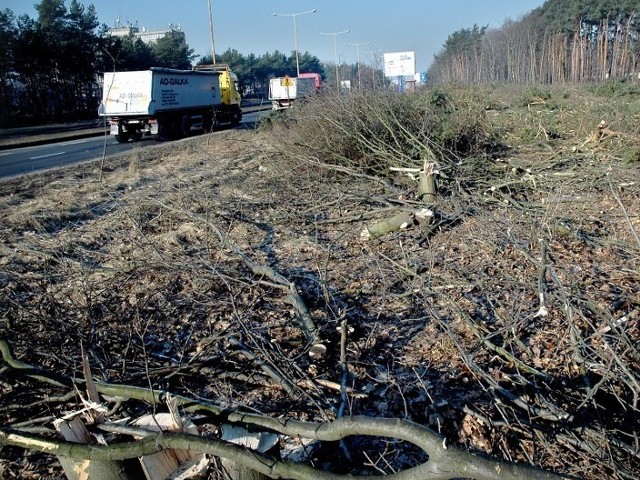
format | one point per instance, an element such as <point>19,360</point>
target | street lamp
<point>213,46</point>
<point>295,32</point>
<point>335,53</point>
<point>358,45</point>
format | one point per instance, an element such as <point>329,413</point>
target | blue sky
<point>249,26</point>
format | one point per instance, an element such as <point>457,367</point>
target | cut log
<point>73,429</point>
<point>426,192</point>
<point>427,188</point>
<point>170,463</point>
<point>401,221</point>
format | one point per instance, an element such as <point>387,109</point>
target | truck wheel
<point>122,137</point>
<point>208,120</point>
<point>164,131</point>
<point>236,116</point>
<point>185,125</point>
<point>176,128</point>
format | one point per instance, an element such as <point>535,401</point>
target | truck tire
<point>164,130</point>
<point>176,128</point>
<point>236,116</point>
<point>122,137</point>
<point>208,121</point>
<point>185,126</point>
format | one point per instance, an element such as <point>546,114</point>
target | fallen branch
<point>444,462</point>
<point>602,132</point>
<point>401,221</point>
<point>306,321</point>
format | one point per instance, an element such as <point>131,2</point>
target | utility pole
<point>213,45</point>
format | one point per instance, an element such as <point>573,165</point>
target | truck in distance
<point>283,91</point>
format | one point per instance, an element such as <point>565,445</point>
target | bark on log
<point>444,463</point>
<point>426,192</point>
<point>427,188</point>
<point>74,430</point>
<point>401,221</point>
<point>82,469</point>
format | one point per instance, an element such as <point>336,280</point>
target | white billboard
<point>399,64</point>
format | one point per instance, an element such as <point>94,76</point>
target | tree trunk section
<point>427,188</point>
<point>74,430</point>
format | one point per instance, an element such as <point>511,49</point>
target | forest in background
<point>562,41</point>
<point>50,66</point>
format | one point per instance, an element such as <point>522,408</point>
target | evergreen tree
<point>128,54</point>
<point>31,71</point>
<point>79,59</point>
<point>8,34</point>
<point>51,26</point>
<point>310,63</point>
<point>172,52</point>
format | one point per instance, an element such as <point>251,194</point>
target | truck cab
<point>229,111</point>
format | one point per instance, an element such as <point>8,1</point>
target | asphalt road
<point>23,160</point>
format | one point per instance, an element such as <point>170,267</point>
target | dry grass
<point>445,327</point>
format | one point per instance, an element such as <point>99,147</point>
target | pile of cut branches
<point>230,273</point>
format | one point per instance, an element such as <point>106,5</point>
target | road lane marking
<point>74,142</point>
<point>48,155</point>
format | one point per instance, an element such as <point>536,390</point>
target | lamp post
<point>295,32</point>
<point>213,45</point>
<point>335,54</point>
<point>358,45</point>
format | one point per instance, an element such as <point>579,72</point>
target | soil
<point>511,328</point>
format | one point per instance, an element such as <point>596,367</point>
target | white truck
<point>283,91</point>
<point>161,101</point>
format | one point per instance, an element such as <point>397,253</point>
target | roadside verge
<point>33,138</point>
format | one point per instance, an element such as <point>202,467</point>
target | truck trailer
<point>283,91</point>
<point>165,102</point>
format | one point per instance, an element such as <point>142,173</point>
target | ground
<point>510,326</point>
